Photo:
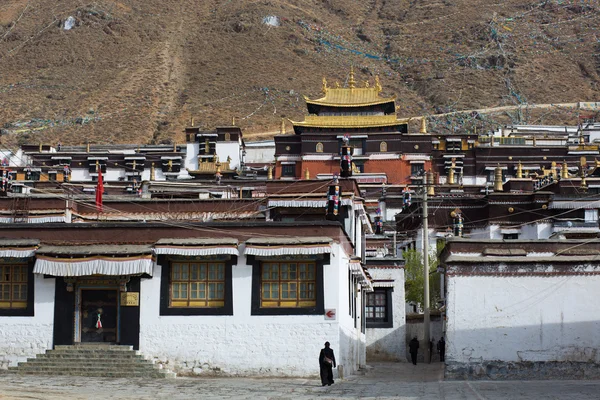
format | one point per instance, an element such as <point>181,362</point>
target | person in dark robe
<point>441,347</point>
<point>327,363</point>
<point>413,346</point>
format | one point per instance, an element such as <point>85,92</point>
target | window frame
<point>165,285</point>
<point>388,320</point>
<point>27,311</point>
<point>256,263</point>
<point>288,170</point>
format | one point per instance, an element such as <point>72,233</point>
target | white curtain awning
<point>356,268</point>
<point>94,259</point>
<point>18,248</point>
<point>305,203</point>
<point>197,247</point>
<point>17,252</point>
<point>34,219</point>
<point>269,247</point>
<point>386,284</point>
<point>93,266</point>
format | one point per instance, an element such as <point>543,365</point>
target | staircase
<point>103,360</point>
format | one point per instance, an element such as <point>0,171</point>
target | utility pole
<point>426,316</point>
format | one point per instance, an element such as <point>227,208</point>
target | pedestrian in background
<point>413,346</point>
<point>441,347</point>
<point>326,364</point>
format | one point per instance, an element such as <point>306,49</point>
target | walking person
<point>326,364</point>
<point>441,347</point>
<point>413,346</point>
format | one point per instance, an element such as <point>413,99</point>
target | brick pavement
<point>381,381</point>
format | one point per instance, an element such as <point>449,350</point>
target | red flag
<point>99,190</point>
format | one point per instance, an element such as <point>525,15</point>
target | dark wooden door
<point>99,315</point>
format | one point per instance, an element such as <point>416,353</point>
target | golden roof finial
<point>498,179</point>
<point>97,166</point>
<point>282,127</point>
<point>553,169</point>
<point>519,170</point>
<point>367,84</point>
<point>430,183</point>
<point>152,173</point>
<point>451,173</point>
<point>232,121</point>
<point>270,173</point>
<point>306,174</point>
<point>564,172</point>
<point>351,81</point>
<point>378,84</point>
<point>423,125</point>
<point>324,88</point>
<point>192,121</point>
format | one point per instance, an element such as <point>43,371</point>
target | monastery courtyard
<point>381,381</point>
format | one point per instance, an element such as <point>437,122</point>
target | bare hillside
<point>138,70</point>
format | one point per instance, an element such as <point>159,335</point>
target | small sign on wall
<point>330,314</point>
<point>130,299</point>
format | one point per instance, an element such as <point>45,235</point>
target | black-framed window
<point>288,170</point>
<point>510,236</point>
<point>287,285</point>
<point>16,288</point>
<point>196,285</point>
<point>417,169</point>
<point>32,175</point>
<point>378,308</point>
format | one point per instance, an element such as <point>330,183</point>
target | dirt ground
<point>139,70</point>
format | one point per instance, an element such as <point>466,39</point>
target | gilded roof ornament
<point>378,84</point>
<point>232,121</point>
<point>423,125</point>
<point>337,84</point>
<point>282,127</point>
<point>324,88</point>
<point>351,81</point>
<point>366,84</point>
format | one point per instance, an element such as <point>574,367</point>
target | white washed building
<point>523,309</point>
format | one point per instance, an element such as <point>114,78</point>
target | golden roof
<point>350,121</point>
<point>347,97</point>
<point>351,96</point>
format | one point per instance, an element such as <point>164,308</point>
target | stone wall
<point>388,343</point>
<point>245,344</point>
<point>523,326</point>
<point>23,337</point>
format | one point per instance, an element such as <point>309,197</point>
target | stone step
<point>88,368</point>
<point>85,361</point>
<point>89,356</point>
<point>119,374</point>
<point>103,360</point>
<point>103,346</point>
<point>92,350</point>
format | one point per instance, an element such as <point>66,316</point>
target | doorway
<point>99,315</point>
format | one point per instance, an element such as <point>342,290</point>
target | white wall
<point>229,149</point>
<point>191,156</point>
<point>260,152</point>
<point>23,337</point>
<point>525,318</point>
<point>389,343</point>
<point>248,344</point>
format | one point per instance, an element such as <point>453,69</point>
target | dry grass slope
<point>137,71</point>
